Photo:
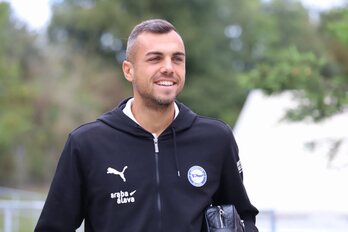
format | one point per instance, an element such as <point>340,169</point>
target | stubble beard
<point>157,103</point>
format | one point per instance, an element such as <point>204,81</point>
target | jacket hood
<point>119,121</point>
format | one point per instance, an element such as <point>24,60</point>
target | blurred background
<point>275,70</point>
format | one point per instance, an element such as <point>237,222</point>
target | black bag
<point>222,218</point>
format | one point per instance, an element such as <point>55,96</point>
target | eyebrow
<point>160,53</point>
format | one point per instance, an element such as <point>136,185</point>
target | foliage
<point>16,91</point>
<point>289,69</point>
<point>334,24</point>
<point>44,94</point>
<point>303,63</point>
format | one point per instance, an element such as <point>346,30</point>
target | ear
<point>128,71</point>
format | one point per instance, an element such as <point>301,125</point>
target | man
<point>151,164</point>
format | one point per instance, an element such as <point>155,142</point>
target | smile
<point>165,83</point>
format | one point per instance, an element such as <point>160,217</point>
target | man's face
<point>157,68</point>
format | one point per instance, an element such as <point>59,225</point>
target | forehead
<point>170,42</point>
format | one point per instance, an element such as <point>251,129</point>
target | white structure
<point>287,168</point>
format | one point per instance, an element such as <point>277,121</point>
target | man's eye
<point>178,59</point>
<point>156,58</point>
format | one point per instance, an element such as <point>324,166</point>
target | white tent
<point>281,173</point>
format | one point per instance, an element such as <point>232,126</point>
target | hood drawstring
<point>175,152</point>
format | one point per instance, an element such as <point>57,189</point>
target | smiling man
<point>155,65</point>
<point>150,164</point>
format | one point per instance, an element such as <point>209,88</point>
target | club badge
<point>197,176</point>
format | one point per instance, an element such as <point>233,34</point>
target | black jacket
<point>119,178</point>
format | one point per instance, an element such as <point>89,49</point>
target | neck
<point>153,119</point>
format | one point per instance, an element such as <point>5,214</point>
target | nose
<point>167,67</point>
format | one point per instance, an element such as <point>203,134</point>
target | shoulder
<point>213,124</point>
<point>214,127</point>
<point>202,125</point>
<point>87,129</point>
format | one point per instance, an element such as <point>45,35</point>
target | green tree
<point>46,90</point>
<point>299,59</point>
<point>16,92</point>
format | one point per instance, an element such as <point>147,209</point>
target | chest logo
<point>123,197</point>
<point>118,173</point>
<point>197,176</point>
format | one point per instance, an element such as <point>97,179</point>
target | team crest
<point>197,176</point>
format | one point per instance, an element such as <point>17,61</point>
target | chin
<point>166,102</point>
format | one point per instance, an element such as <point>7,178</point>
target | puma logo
<point>115,172</point>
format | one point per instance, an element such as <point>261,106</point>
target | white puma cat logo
<point>115,172</point>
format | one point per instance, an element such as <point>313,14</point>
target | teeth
<point>165,83</point>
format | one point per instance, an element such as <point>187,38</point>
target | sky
<point>36,13</point>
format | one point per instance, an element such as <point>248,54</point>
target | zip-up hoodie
<point>116,176</point>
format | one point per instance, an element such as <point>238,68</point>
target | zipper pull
<point>155,141</point>
<point>221,212</point>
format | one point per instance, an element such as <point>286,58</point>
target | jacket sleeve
<point>62,211</point>
<point>232,189</point>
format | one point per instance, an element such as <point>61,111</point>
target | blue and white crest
<point>197,176</point>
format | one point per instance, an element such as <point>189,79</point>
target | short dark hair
<point>158,26</point>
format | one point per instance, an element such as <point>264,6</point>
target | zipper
<point>221,214</point>
<point>159,206</point>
